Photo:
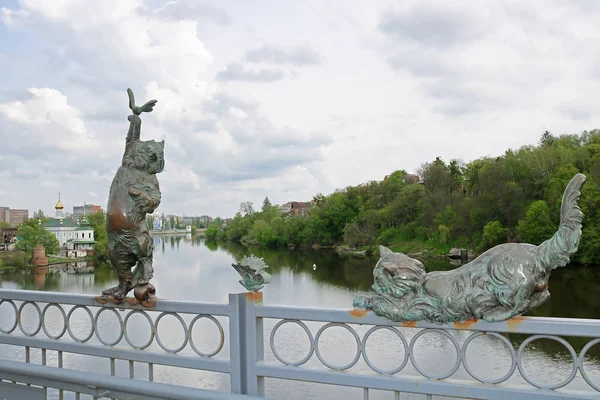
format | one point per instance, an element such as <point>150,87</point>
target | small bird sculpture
<point>148,107</point>
<point>252,271</point>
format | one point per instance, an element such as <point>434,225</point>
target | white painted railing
<point>246,350</point>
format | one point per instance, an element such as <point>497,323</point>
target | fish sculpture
<point>252,270</point>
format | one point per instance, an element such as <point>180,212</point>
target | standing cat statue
<point>501,283</point>
<point>133,194</point>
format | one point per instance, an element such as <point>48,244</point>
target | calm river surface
<point>197,270</point>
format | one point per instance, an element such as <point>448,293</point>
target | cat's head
<point>399,264</point>
<point>147,156</point>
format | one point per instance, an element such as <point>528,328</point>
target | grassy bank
<point>11,261</point>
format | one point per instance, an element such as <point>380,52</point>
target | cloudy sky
<point>281,99</point>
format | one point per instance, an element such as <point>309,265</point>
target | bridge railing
<point>54,325</point>
<point>258,344</point>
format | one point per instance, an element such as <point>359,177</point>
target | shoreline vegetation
<point>18,260</point>
<point>446,206</point>
<point>515,197</point>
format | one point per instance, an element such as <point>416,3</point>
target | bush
<point>212,232</point>
<point>537,226</point>
<point>493,234</point>
<point>14,259</point>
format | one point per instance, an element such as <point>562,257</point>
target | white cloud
<point>48,111</point>
<point>246,111</point>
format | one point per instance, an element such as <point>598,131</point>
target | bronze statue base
<point>146,298</point>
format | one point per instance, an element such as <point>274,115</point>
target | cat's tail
<point>555,252</point>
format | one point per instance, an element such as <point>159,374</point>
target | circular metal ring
<point>558,339</point>
<point>454,342</point>
<point>19,318</point>
<point>93,327</point>
<point>513,365</point>
<point>582,369</point>
<point>366,358</point>
<point>62,311</point>
<point>358,346</point>
<point>219,347</point>
<point>14,326</point>
<point>121,326</point>
<point>152,329</point>
<point>310,338</point>
<point>185,332</point>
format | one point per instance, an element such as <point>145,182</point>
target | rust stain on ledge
<point>465,324</point>
<point>132,301</point>
<point>255,297</point>
<point>409,324</point>
<point>514,322</point>
<point>148,304</point>
<point>358,313</point>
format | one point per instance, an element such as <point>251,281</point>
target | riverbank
<point>169,232</point>
<point>14,261</point>
<point>414,248</point>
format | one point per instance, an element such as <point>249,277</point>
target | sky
<point>281,99</point>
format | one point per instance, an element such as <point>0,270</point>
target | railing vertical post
<point>247,346</point>
<point>236,334</point>
<point>254,343</point>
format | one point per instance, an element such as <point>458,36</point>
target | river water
<point>198,270</point>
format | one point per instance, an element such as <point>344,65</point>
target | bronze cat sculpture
<point>133,194</point>
<point>501,283</point>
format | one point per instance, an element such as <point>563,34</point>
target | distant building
<point>83,243</point>
<point>410,178</point>
<point>407,178</point>
<point>59,208</point>
<point>18,217</point>
<point>294,208</point>
<point>206,220</point>
<point>64,229</point>
<point>7,235</point>
<point>86,209</point>
<point>187,221</point>
<point>12,216</point>
<point>74,239</point>
<point>157,224</point>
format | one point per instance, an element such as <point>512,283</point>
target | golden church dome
<point>59,205</point>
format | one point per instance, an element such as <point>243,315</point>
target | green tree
<point>4,224</point>
<point>212,232</point>
<point>247,208</point>
<point>32,236</point>
<point>38,214</point>
<point>537,225</point>
<point>150,222</point>
<point>98,222</point>
<point>493,234</point>
<point>266,203</point>
<point>547,139</point>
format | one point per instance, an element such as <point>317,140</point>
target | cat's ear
<point>384,251</point>
<point>162,143</point>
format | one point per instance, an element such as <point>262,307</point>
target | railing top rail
<point>56,377</point>
<point>528,325</point>
<point>96,301</point>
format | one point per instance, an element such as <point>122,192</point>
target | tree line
<point>515,197</point>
